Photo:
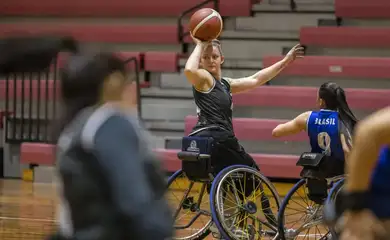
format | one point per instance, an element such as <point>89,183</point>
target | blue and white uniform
<point>324,128</point>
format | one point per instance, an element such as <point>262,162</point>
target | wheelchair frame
<point>311,163</point>
<point>195,207</point>
<point>202,159</point>
<point>216,201</point>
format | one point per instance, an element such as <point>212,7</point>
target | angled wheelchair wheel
<point>331,202</point>
<point>189,201</point>
<point>299,217</point>
<point>244,204</point>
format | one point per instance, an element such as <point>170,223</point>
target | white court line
<point>309,235</point>
<point>28,219</point>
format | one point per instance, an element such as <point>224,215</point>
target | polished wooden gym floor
<point>27,210</point>
<point>300,211</point>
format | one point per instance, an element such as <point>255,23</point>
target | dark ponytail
<point>345,112</point>
<point>335,99</point>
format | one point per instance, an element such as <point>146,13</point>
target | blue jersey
<point>323,128</point>
<point>380,185</point>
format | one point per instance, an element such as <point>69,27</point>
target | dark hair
<point>335,99</point>
<point>81,83</point>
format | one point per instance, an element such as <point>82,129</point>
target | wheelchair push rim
<point>312,215</point>
<point>234,225</point>
<point>192,201</point>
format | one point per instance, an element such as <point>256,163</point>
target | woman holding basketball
<point>213,97</point>
<point>213,93</point>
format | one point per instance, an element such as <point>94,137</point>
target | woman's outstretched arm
<point>261,77</point>
<point>294,126</point>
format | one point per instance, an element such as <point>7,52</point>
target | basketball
<point>206,24</point>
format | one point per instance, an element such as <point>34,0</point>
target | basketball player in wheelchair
<point>329,131</point>
<point>212,153</point>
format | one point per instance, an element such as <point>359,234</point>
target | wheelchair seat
<point>316,170</point>
<point>311,163</point>
<point>196,158</point>
<point>320,166</point>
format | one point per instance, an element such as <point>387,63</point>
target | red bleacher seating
<point>281,166</point>
<point>265,96</point>
<point>110,33</point>
<point>62,58</point>
<point>116,8</point>
<point>161,62</point>
<point>345,37</point>
<point>328,66</point>
<point>35,84</point>
<point>37,153</point>
<point>149,61</point>
<point>272,165</point>
<point>252,129</point>
<point>362,8</point>
<point>304,97</point>
<point>137,55</point>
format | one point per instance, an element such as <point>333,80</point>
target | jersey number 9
<point>323,140</point>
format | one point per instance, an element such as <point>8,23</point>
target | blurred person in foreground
<point>111,184</point>
<point>366,196</point>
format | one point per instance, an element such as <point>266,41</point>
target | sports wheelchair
<point>308,195</point>
<point>241,202</point>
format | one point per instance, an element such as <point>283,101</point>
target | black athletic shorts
<point>227,150</point>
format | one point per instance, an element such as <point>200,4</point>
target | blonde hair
<point>217,43</point>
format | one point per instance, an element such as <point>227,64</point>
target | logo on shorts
<point>193,147</point>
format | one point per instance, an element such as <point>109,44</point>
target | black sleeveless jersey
<point>214,107</point>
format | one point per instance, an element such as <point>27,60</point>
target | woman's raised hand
<point>199,42</point>
<point>296,52</point>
